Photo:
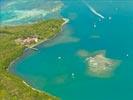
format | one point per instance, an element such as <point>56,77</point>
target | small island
<point>98,65</point>
<point>13,41</point>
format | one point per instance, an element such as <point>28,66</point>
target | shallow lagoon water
<point>56,67</point>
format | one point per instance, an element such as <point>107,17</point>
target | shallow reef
<point>98,65</point>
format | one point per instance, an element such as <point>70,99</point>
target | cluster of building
<point>27,41</point>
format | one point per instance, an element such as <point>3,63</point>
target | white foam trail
<point>96,13</point>
<point>93,10</point>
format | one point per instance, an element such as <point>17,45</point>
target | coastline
<point>66,20</point>
<point>34,46</point>
<point>39,43</point>
<point>26,84</point>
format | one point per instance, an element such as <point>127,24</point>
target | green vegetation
<point>12,87</point>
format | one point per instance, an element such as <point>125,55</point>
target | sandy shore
<point>37,90</point>
<point>34,47</point>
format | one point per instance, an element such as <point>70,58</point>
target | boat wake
<point>93,10</point>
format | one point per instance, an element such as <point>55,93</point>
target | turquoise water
<point>88,30</point>
<point>16,12</point>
